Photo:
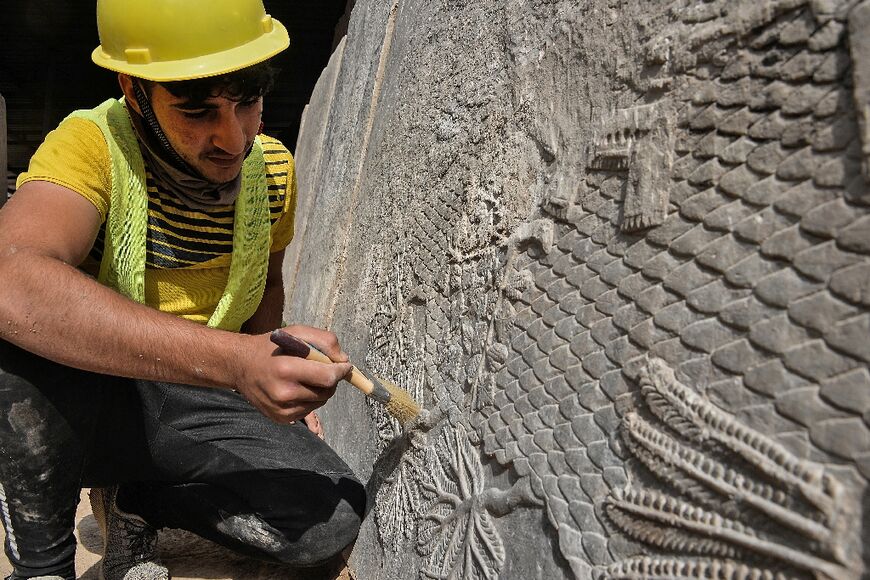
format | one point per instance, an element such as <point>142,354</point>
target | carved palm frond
<point>670,397</point>
<point>708,480</point>
<point>745,500</point>
<point>647,568</point>
<point>659,453</point>
<point>671,524</point>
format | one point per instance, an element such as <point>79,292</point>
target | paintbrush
<point>396,400</point>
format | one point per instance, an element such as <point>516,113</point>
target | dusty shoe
<point>130,543</point>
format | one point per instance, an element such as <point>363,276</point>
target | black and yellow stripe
<point>179,237</point>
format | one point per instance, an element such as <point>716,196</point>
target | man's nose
<point>229,134</point>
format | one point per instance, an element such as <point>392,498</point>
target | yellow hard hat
<point>173,40</point>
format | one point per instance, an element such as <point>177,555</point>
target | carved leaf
<point>445,553</point>
<point>770,480</point>
<point>668,396</point>
<point>670,415</point>
<point>489,552</point>
<point>458,535</point>
<point>398,504</point>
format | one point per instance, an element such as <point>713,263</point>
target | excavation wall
<point>620,252</point>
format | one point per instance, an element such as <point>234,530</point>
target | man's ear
<point>126,82</point>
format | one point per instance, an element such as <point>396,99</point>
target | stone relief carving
<point>399,499</point>
<point>731,494</point>
<point>758,148</point>
<point>638,141</point>
<point>459,538</point>
<point>669,354</point>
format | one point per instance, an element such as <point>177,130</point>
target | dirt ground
<point>187,556</point>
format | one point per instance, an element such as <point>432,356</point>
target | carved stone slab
<point>309,156</point>
<point>620,252</point>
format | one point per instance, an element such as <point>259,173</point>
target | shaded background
<point>46,70</point>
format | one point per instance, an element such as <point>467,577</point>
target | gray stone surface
<point>619,252</point>
<point>309,156</point>
<point>4,157</point>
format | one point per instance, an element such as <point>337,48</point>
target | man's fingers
<point>286,386</point>
<point>341,370</point>
<point>317,374</point>
<point>337,355</point>
<point>304,382</point>
<point>296,394</point>
<point>324,340</point>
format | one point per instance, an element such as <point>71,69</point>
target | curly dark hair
<point>241,85</point>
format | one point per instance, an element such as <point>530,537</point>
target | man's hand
<point>287,388</point>
<point>324,340</point>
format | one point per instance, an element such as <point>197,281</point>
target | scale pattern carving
<point>749,287</point>
<point>738,254</point>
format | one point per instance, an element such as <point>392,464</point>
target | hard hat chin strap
<point>153,127</point>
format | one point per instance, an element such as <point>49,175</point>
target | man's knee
<point>323,541</point>
<point>314,542</point>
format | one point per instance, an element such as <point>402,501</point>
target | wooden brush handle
<point>356,378</point>
<point>295,347</point>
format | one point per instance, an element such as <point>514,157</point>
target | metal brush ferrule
<point>380,392</point>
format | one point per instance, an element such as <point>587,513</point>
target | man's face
<point>212,136</point>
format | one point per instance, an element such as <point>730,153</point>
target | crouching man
<point>141,267</point>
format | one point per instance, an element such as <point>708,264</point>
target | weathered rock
<point>620,254</point>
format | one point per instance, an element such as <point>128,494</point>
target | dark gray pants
<point>186,457</point>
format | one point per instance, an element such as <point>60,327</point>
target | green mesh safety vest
<point>123,264</point>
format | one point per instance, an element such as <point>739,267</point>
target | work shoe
<point>129,551</point>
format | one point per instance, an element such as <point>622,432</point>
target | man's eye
<point>195,114</point>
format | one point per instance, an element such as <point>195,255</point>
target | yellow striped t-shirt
<point>188,251</point>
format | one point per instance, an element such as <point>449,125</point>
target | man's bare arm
<point>50,308</point>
